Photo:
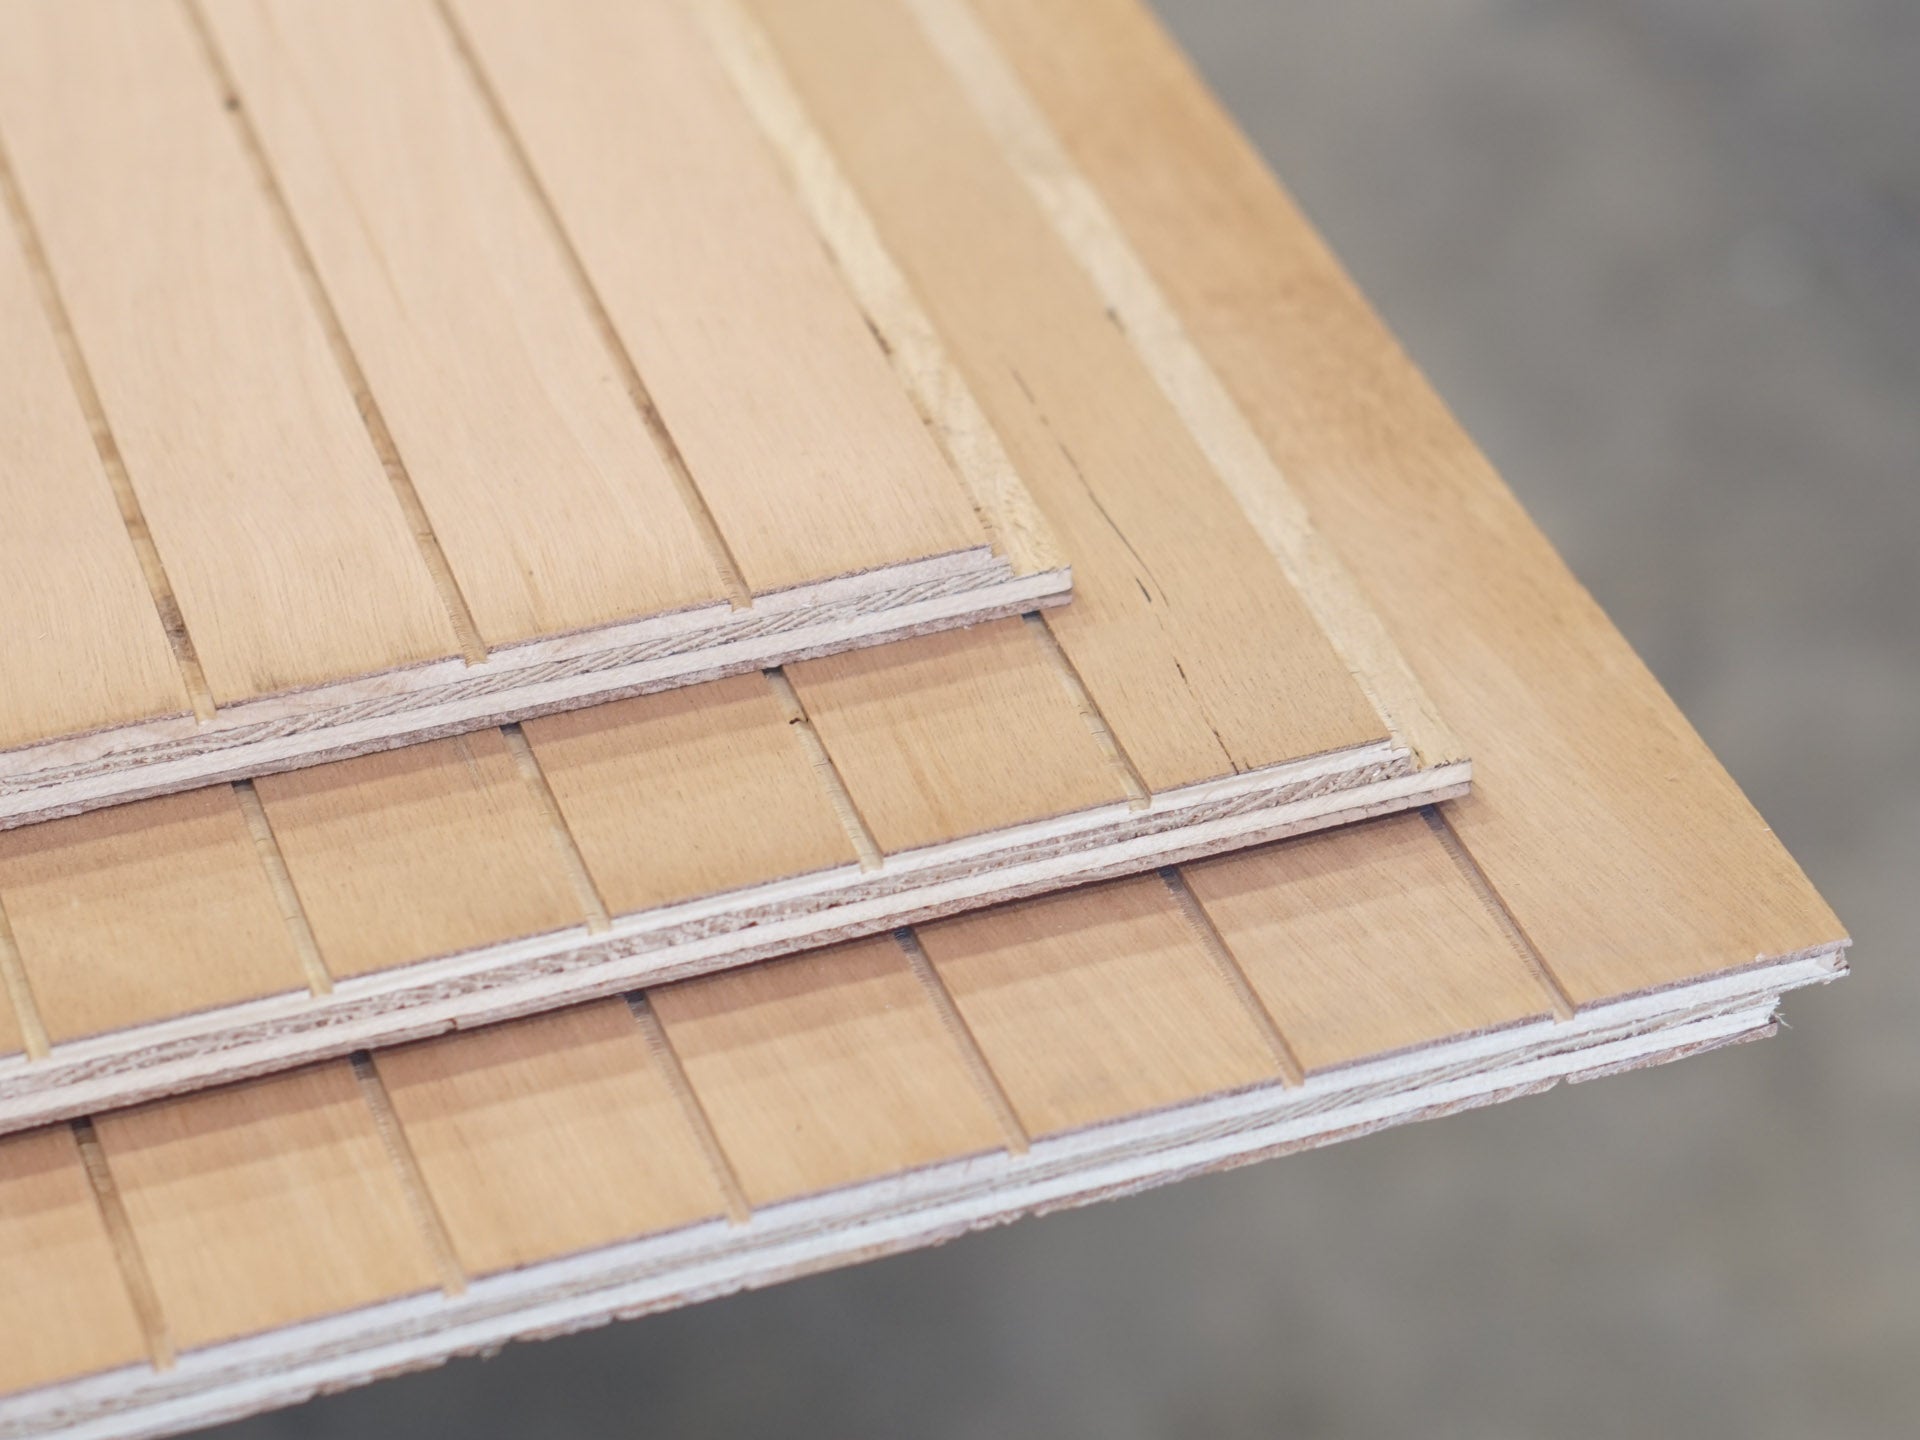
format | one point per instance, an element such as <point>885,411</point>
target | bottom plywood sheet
<point>266,1241</point>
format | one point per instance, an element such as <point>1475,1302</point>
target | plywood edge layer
<point>905,1211</point>
<point>713,933</point>
<point>333,722</point>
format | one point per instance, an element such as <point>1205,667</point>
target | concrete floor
<point>1663,256</point>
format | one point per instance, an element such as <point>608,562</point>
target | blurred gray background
<point>1663,257</point>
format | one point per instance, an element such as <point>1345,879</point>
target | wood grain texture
<point>80,645</point>
<point>546,1136</point>
<point>260,1205</point>
<point>63,1308</point>
<point>669,796</point>
<point>824,1069</point>
<point>1197,678</point>
<point>1366,941</point>
<point>1096,1003</point>
<point>954,734</point>
<point>796,431</point>
<point>1592,794</point>
<point>554,508</point>
<point>143,912</point>
<point>427,850</point>
<point>280,534</point>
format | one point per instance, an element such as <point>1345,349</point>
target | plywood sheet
<point>265,1204</point>
<point>547,1136</point>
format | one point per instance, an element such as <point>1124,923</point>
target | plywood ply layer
<point>1606,899</point>
<point>391,392</point>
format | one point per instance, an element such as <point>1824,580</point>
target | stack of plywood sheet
<point>406,381</point>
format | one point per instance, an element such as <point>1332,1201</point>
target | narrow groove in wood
<point>132,517</point>
<point>426,1214</point>
<point>1012,1131</point>
<point>126,1247</point>
<point>274,862</point>
<point>739,1208</point>
<point>1292,1072</point>
<point>690,494</point>
<point>841,798</point>
<point>1529,953</point>
<point>26,1009</point>
<point>459,614</point>
<point>599,918</point>
<point>1138,795</point>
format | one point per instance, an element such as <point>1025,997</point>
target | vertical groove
<point>459,615</point>
<point>433,1227</point>
<point>319,980</point>
<point>739,1209</point>
<point>126,1247</point>
<point>26,1009</point>
<point>1228,964</point>
<point>690,493</point>
<point>1012,1131</point>
<point>599,918</point>
<point>1529,953</point>
<point>838,795</point>
<point>185,658</point>
<point>1138,795</point>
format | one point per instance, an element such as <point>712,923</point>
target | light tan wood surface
<point>259,1207</point>
<point>953,735</point>
<point>1369,940</point>
<point>1097,1003</point>
<point>265,497</point>
<point>866,1099</point>
<point>804,446</point>
<point>670,796</point>
<point>554,507</point>
<point>1590,786</point>
<point>81,645</point>
<point>547,1136</point>
<point>63,1308</point>
<point>160,908</point>
<point>775,1053</point>
<point>429,850</point>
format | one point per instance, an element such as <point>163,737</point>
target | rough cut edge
<point>675,942</point>
<point>918,1208</point>
<point>448,697</point>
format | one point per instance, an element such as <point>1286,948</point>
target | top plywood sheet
<point>844,1103</point>
<point>410,410</point>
